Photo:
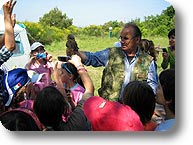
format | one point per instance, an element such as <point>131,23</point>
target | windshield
<point>19,50</point>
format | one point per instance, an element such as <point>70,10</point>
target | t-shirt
<point>46,78</point>
<point>77,91</point>
<point>165,125</point>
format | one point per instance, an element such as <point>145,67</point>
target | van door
<point>21,54</point>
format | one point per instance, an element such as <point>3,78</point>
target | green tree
<point>92,30</point>
<point>170,12</point>
<point>56,18</point>
<point>112,24</point>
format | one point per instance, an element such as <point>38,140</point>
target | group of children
<point>59,96</point>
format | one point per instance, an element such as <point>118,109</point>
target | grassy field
<point>94,44</point>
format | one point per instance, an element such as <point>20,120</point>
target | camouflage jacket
<point>114,73</point>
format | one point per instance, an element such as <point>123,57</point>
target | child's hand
<point>76,60</point>
<point>49,57</point>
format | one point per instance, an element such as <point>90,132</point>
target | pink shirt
<point>46,78</point>
<point>77,92</point>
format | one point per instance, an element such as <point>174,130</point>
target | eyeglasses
<point>64,66</point>
<point>125,38</point>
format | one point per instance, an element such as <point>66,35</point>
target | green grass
<point>93,44</point>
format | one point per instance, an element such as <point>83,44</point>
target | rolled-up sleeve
<point>5,54</point>
<point>97,59</point>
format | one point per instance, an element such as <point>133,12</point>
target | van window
<point>19,50</point>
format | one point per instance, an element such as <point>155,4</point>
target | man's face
<point>128,41</point>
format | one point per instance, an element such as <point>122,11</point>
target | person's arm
<point>76,61</point>
<point>2,38</point>
<point>96,59</point>
<point>77,120</point>
<point>57,74</point>
<point>9,40</point>
<point>153,76</point>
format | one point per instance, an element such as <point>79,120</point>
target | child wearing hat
<point>41,62</point>
<point>18,90</point>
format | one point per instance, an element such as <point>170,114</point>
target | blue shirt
<point>165,125</point>
<point>100,58</point>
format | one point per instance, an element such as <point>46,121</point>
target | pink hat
<point>111,116</point>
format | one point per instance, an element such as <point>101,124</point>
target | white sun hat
<point>36,45</point>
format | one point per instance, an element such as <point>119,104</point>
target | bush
<point>45,35</point>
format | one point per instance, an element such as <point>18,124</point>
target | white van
<point>21,54</point>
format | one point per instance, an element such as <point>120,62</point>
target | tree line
<point>55,26</point>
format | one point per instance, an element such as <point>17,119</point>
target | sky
<point>89,12</point>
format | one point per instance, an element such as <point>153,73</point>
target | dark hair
<point>167,81</point>
<point>74,71</point>
<point>141,98</point>
<point>172,32</point>
<point>49,106</point>
<point>147,46</point>
<point>137,31</point>
<point>20,120</point>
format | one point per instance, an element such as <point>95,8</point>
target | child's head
<point>107,115</point>
<point>171,33</point>
<point>37,48</point>
<point>38,51</point>
<point>20,119</point>
<point>171,37</point>
<point>147,46</point>
<point>167,81</point>
<point>49,105</point>
<point>15,83</point>
<point>69,72</point>
<point>140,97</point>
